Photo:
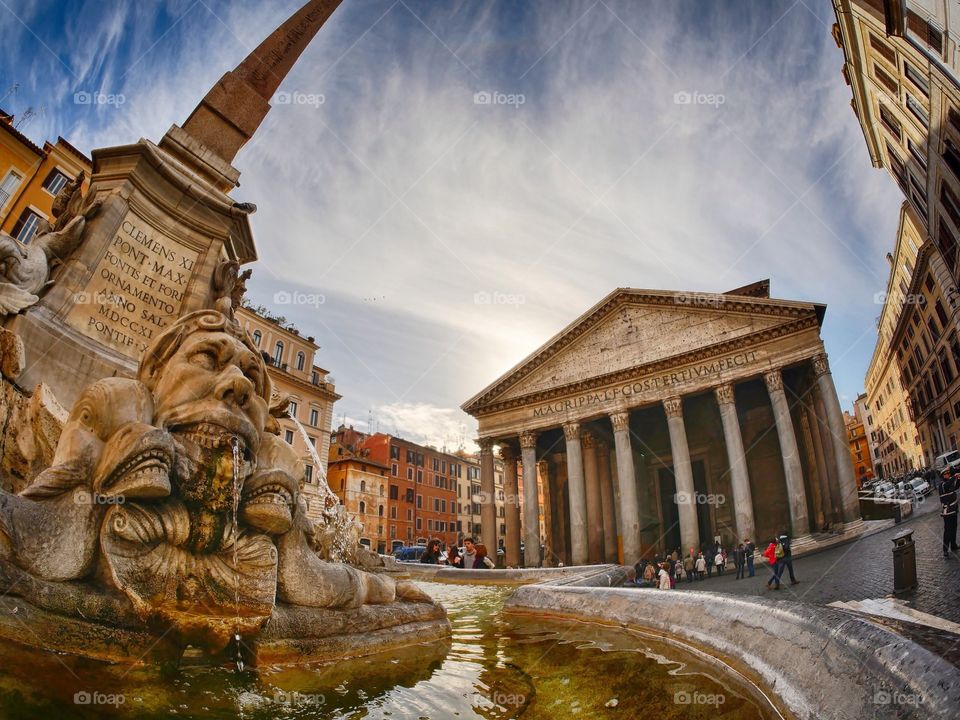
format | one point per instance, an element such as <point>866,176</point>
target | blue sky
<point>386,188</point>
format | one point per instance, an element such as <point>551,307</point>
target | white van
<point>951,458</point>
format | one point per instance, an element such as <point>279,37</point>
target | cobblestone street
<point>863,569</point>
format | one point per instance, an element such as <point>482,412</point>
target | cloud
<point>399,186</point>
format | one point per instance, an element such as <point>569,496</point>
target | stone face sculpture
<point>171,491</point>
<point>24,271</point>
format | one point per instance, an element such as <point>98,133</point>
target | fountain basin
<point>816,662</point>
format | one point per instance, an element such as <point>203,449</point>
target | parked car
<point>904,490</point>
<point>410,553</point>
<point>885,490</point>
<point>951,458</point>
<point>921,487</point>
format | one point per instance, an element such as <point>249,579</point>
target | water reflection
<point>493,667</point>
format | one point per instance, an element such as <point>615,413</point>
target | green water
<point>494,666</point>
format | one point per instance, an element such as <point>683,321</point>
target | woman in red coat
<point>771,555</point>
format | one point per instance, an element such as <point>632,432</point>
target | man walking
<point>948,510</point>
<point>774,556</point>
<point>787,559</point>
<point>749,549</point>
<point>740,560</point>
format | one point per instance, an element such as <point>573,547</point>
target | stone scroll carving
<point>25,270</point>
<point>170,490</point>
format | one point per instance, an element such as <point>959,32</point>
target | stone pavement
<point>863,569</point>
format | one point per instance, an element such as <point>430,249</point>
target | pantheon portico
<point>660,420</point>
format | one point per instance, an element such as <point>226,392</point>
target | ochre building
<point>660,420</point>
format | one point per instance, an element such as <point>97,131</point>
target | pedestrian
<point>707,554</point>
<point>631,579</point>
<point>689,566</point>
<point>740,560</point>
<point>649,575</point>
<point>948,510</point>
<point>720,561</point>
<point>787,559</point>
<point>431,556</point>
<point>481,561</point>
<point>469,553</point>
<point>453,557</point>
<point>749,549</point>
<point>664,576</point>
<point>773,555</point>
<point>701,566</point>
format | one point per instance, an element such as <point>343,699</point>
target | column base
<point>802,541</point>
<point>851,528</point>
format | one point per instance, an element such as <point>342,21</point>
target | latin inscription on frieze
<point>136,290</point>
<point>646,386</point>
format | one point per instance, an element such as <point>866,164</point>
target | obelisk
<point>165,224</point>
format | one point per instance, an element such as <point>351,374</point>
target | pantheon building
<point>660,420</point>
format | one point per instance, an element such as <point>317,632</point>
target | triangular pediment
<point>636,328</point>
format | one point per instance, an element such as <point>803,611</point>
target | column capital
<point>588,440</point>
<point>571,430</point>
<point>486,445</point>
<point>673,406</point>
<point>602,445</point>
<point>508,453</point>
<point>725,394</point>
<point>528,439</point>
<point>620,420</point>
<point>820,364</point>
<point>773,380</point>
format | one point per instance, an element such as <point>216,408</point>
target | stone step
<point>896,609</point>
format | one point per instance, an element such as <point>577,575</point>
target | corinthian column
<point>739,478</point>
<point>627,482</point>
<point>606,500</point>
<point>577,494</point>
<point>850,500</point>
<point>488,491</point>
<point>591,477</point>
<point>686,497</point>
<point>792,470</point>
<point>511,510</point>
<point>543,468</point>
<point>531,503</point>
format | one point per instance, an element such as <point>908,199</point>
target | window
<point>313,440</point>
<point>380,510</point>
<point>257,337</point>
<point>308,473</point>
<point>293,407</point>
<point>920,154</point>
<point>363,486</point>
<point>55,182</point>
<point>883,50</point>
<point>314,417</point>
<point>278,353</point>
<point>9,185</point>
<point>409,473</point>
<point>950,203</point>
<point>925,31</point>
<point>890,122</point>
<point>394,452</point>
<point>888,82</point>
<point>363,507</point>
<point>419,502</point>
<point>952,158</point>
<point>419,476</point>
<point>301,359</point>
<point>26,226</point>
<point>394,468</point>
<point>914,76</point>
<point>288,436</point>
<point>914,106</point>
<point>393,512</point>
<point>394,492</point>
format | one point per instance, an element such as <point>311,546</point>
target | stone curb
<point>819,662</point>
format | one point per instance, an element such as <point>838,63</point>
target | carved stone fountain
<point>163,510</point>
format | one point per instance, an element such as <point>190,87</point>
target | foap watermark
<point>882,298</point>
<point>484,297</point>
<point>87,697</point>
<point>85,97</point>
<point>82,496</point>
<point>695,697</point>
<point>686,97</point>
<point>488,97</point>
<point>895,697</point>
<point>699,498</point>
<point>98,298</point>
<point>507,699</point>
<point>292,698</point>
<point>283,297</point>
<point>299,98</point>
<point>699,299</point>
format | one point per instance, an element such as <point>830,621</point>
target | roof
<point>747,300</point>
<point>74,151</point>
<point>21,138</point>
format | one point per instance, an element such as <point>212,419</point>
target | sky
<point>443,185</point>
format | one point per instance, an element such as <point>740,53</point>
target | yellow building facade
<point>30,178</point>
